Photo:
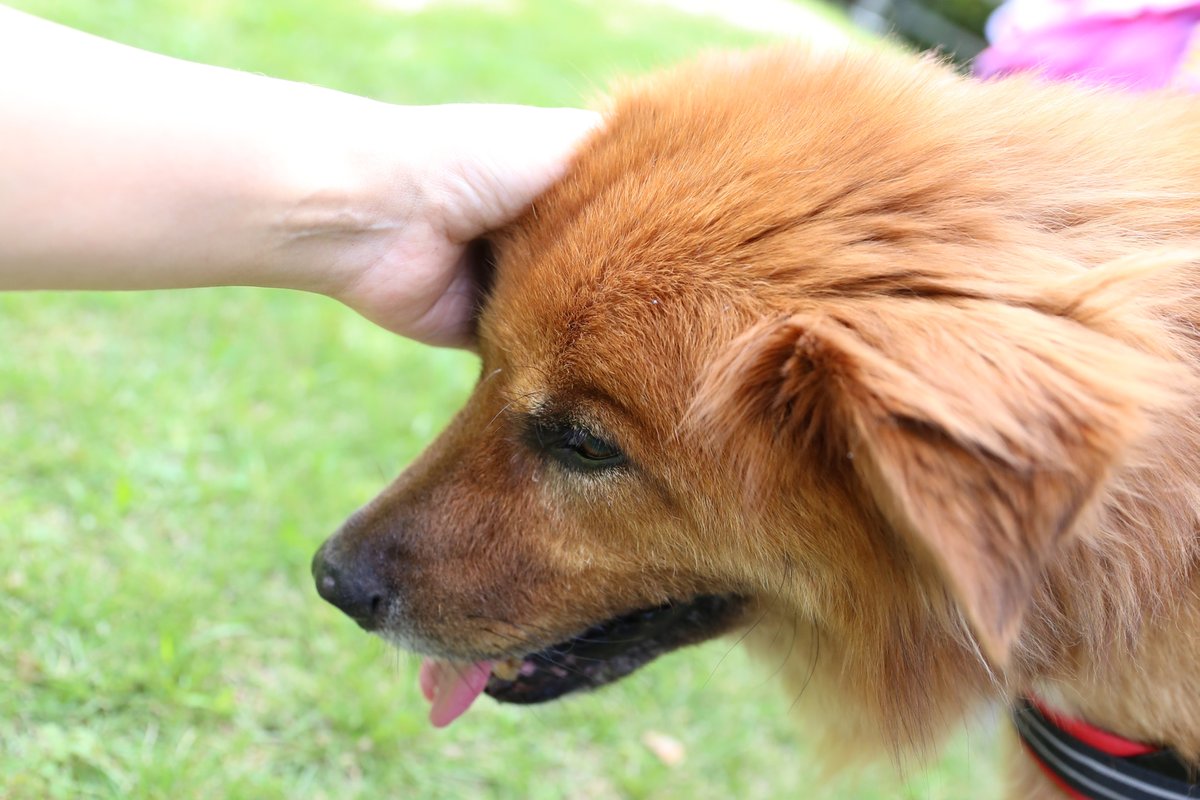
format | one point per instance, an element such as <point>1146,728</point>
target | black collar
<point>1086,772</point>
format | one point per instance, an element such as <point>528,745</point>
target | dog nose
<point>352,586</point>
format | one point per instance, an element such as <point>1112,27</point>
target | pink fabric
<point>1139,45</point>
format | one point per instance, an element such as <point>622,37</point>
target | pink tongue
<point>452,687</point>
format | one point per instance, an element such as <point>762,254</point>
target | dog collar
<point>1088,763</point>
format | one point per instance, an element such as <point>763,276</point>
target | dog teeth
<point>508,669</point>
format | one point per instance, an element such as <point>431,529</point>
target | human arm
<point>123,169</point>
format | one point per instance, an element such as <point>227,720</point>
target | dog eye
<point>576,447</point>
<point>594,450</point>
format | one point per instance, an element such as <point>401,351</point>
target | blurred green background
<point>171,461</point>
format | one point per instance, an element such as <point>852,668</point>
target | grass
<point>171,462</point>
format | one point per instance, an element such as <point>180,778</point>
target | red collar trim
<point>1090,763</point>
<point>1102,740</point>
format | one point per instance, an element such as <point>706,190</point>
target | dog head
<point>782,345</point>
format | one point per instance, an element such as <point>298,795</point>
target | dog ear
<point>981,431</point>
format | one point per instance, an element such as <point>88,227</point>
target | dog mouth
<point>601,654</point>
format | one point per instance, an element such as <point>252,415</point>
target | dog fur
<point>908,359</point>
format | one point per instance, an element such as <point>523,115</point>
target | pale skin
<point>123,169</point>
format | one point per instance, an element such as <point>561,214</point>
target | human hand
<point>466,170</point>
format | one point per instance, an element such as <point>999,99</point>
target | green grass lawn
<point>171,462</point>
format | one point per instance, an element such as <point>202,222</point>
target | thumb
<point>497,158</point>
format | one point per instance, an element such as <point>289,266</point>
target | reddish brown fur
<point>907,358</point>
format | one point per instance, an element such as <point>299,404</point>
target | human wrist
<point>346,189</point>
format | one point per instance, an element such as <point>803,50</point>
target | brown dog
<point>898,362</point>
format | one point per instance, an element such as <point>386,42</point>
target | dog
<point>850,355</point>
